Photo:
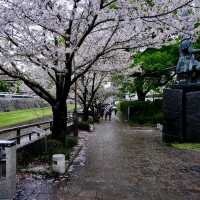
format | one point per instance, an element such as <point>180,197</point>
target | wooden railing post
<point>38,134</point>
<point>30,136</point>
<point>18,136</point>
<point>51,126</point>
<point>45,144</point>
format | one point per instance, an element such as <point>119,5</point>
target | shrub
<point>90,120</point>
<point>54,146</point>
<point>96,119</point>
<point>84,125</point>
<point>71,142</point>
<point>28,153</point>
<point>23,158</point>
<point>35,152</point>
<point>142,112</point>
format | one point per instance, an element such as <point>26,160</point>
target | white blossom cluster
<point>54,42</point>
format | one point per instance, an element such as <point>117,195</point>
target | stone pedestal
<point>7,169</point>
<point>181,107</point>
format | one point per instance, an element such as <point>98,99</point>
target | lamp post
<point>75,107</point>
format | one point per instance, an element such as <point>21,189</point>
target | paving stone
<point>122,163</point>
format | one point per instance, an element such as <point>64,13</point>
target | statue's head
<point>186,43</point>
<point>185,36</point>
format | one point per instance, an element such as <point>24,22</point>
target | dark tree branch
<point>38,89</point>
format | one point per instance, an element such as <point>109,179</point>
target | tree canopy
<point>154,59</point>
<point>5,86</point>
<point>153,64</point>
<point>48,43</point>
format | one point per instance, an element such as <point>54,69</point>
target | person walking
<point>108,112</point>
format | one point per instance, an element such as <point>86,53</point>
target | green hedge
<point>142,112</point>
<point>82,125</point>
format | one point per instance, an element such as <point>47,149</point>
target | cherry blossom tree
<point>87,91</point>
<point>49,43</point>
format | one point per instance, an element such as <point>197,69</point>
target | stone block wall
<point>172,107</point>
<point>181,115</point>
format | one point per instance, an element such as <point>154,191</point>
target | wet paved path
<point>124,163</point>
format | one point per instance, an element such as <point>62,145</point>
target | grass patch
<point>187,146</point>
<point>20,116</point>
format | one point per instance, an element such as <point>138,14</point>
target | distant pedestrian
<point>115,109</point>
<point>101,111</point>
<point>108,112</point>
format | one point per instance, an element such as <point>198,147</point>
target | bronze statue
<point>187,65</point>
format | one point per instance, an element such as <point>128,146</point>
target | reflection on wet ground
<point>122,163</point>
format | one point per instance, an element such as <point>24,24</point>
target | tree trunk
<point>141,95</point>
<point>59,129</point>
<point>85,114</point>
<point>93,111</point>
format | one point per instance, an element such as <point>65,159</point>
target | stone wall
<point>193,116</point>
<point>173,114</point>
<point>181,107</point>
<point>11,104</point>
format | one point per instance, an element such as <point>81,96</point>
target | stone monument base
<point>181,105</point>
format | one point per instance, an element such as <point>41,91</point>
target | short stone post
<point>58,164</point>
<point>7,169</point>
